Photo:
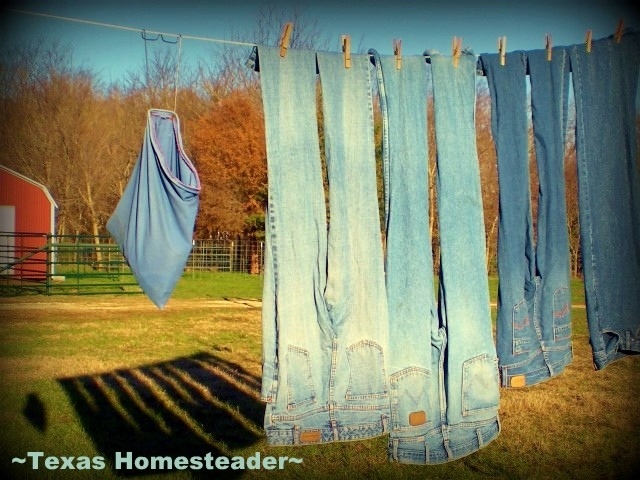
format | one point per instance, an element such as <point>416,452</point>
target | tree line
<point>63,127</point>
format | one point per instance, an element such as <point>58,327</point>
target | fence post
<point>50,266</point>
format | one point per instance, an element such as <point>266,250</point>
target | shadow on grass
<point>187,407</point>
<point>35,412</point>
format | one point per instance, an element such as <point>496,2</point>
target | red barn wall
<point>33,214</point>
<point>33,208</point>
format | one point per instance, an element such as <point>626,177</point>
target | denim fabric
<point>413,318</point>
<point>153,221</point>
<point>295,320</point>
<point>325,335</point>
<point>549,111</point>
<point>470,382</point>
<point>356,294</point>
<point>605,86</point>
<point>445,390</point>
<point>533,331</point>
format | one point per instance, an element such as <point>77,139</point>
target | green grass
<point>91,376</point>
<point>219,285</point>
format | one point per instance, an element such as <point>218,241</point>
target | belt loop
<point>445,438</point>
<point>426,452</point>
<point>334,429</point>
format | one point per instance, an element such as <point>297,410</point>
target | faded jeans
<point>443,366</point>
<point>325,327</point>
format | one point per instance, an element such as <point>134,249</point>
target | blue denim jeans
<point>605,84</point>
<point>533,331</point>
<point>325,327</point>
<point>443,367</point>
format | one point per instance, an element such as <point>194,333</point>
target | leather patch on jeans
<point>417,418</point>
<point>518,381</point>
<point>310,437</point>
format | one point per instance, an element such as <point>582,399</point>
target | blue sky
<point>420,24</point>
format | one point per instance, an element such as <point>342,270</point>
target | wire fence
<point>86,264</point>
<point>246,256</point>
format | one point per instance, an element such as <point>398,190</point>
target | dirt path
<point>120,303</point>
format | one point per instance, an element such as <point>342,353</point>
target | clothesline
<point>131,29</point>
<point>456,52</point>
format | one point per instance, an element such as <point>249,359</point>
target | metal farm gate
<point>84,264</point>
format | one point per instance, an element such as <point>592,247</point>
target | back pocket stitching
<point>298,369</point>
<point>561,309</point>
<point>380,388</point>
<point>467,390</point>
<point>520,342</point>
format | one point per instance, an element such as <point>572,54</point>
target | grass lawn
<point>94,375</point>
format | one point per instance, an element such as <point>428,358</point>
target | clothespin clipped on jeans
<point>587,41</point>
<point>285,38</point>
<point>397,51</point>
<point>619,29</point>
<point>345,40</point>
<point>456,47</point>
<point>502,50</point>
<point>548,46</point>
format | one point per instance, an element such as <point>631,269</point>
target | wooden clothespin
<point>502,50</point>
<point>456,47</point>
<point>397,51</point>
<point>619,29</point>
<point>285,38</point>
<point>346,49</point>
<point>548,45</point>
<point>587,41</point>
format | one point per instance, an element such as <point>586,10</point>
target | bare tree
<point>226,70</point>
<point>37,139</point>
<point>488,172</point>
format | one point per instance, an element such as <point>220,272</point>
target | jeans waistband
<point>444,444</point>
<point>322,430</point>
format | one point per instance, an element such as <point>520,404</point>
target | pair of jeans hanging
<point>325,328</point>
<point>533,331</point>
<point>153,221</point>
<point>605,84</point>
<point>442,360</point>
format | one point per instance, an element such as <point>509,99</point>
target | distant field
<point>95,375</point>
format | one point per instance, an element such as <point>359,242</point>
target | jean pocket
<point>410,398</point>
<point>367,377</point>
<point>561,314</point>
<point>521,325</point>
<point>300,389</point>
<point>480,385</point>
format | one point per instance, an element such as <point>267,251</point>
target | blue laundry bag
<point>154,220</point>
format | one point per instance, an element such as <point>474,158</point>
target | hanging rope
<point>175,95</point>
<point>131,29</point>
<point>146,59</point>
<point>178,41</point>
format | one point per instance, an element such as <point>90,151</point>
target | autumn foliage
<point>59,126</point>
<point>228,146</point>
